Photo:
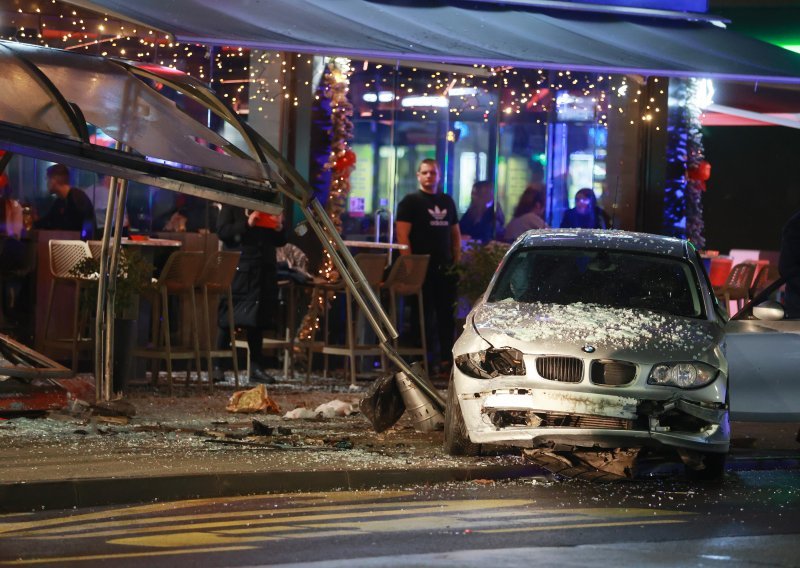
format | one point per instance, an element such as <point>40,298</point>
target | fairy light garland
<point>340,163</point>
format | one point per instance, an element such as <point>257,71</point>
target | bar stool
<point>216,278</point>
<point>65,255</point>
<point>372,266</point>
<point>178,278</point>
<point>406,279</point>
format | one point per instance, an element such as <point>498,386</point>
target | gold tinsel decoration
<point>341,162</point>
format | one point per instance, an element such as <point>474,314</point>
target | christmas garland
<point>687,170</point>
<point>339,161</point>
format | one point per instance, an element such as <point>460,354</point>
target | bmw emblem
<point>588,348</point>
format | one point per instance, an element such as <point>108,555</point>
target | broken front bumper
<point>541,417</point>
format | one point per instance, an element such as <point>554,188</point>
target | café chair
<point>178,279</point>
<point>372,266</point>
<point>65,256</point>
<point>216,279</point>
<point>737,285</point>
<point>406,279</point>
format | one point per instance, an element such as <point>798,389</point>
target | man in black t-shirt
<point>72,210</point>
<point>427,221</point>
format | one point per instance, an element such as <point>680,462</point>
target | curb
<point>93,492</point>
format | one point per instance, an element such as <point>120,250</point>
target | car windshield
<point>615,278</point>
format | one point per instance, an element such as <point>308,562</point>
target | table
<point>374,245</point>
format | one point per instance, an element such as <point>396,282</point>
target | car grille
<point>563,369</point>
<point>613,373</point>
<point>559,420</point>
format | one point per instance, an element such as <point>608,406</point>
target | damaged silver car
<point>596,344</point>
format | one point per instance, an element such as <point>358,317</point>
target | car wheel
<point>714,469</point>
<point>456,440</point>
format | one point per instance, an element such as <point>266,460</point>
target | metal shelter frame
<point>278,181</point>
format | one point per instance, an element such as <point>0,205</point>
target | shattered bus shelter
<point>48,100</point>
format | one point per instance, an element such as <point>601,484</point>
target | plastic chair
<point>65,255</point>
<point>178,278</point>
<point>737,284</point>
<point>406,279</point>
<point>720,268</point>
<point>216,278</point>
<point>766,274</point>
<point>372,266</point>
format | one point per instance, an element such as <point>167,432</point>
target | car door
<point>764,370</point>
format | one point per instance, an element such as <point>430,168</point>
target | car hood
<point>609,332</point>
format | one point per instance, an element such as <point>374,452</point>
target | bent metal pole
<point>354,279</point>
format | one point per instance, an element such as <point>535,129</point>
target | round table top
<point>374,245</point>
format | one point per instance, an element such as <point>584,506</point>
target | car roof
<point>604,239</point>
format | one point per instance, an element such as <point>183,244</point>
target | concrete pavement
<point>189,446</point>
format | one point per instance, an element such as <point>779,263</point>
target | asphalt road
<point>752,519</point>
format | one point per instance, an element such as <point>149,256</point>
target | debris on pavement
<point>114,408</point>
<point>330,409</point>
<point>335,408</point>
<point>261,429</point>
<point>253,400</point>
<point>382,404</point>
<point>300,413</point>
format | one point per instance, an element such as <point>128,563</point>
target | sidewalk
<point>190,446</point>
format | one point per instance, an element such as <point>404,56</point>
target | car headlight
<point>491,363</point>
<point>687,375</point>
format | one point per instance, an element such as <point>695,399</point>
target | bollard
<point>422,411</point>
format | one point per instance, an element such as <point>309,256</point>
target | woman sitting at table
<point>255,286</point>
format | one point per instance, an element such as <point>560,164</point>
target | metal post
<point>102,286</point>
<point>108,362</point>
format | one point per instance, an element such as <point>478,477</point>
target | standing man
<point>427,222</point>
<point>72,210</point>
<point>789,266</point>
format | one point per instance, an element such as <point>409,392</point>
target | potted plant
<point>478,264</point>
<point>134,276</point>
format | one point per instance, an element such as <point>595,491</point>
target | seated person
<point>482,222</point>
<point>586,214</point>
<point>527,214</point>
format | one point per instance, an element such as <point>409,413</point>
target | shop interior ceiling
<point>470,32</point>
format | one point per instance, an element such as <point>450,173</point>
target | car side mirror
<point>769,311</point>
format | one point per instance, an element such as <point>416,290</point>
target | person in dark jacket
<point>586,214</point>
<point>789,265</point>
<point>72,210</point>
<point>255,286</point>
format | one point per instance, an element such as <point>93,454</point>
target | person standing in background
<point>255,286</point>
<point>427,222</point>
<point>789,265</point>
<point>72,209</point>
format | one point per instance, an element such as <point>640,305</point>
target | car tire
<point>714,469</point>
<point>456,439</point>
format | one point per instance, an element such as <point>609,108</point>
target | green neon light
<point>791,47</point>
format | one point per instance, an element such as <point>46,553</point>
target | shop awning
<point>471,32</point>
<point>50,101</point>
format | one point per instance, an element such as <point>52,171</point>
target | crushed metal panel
<point>22,362</point>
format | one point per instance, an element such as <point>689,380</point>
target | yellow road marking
<point>118,556</point>
<point>288,515</point>
<point>435,511</point>
<point>581,526</point>
<point>343,496</point>
<point>432,519</point>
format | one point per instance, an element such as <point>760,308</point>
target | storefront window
<point>514,128</point>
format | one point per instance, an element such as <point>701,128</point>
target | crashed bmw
<point>600,341</point>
